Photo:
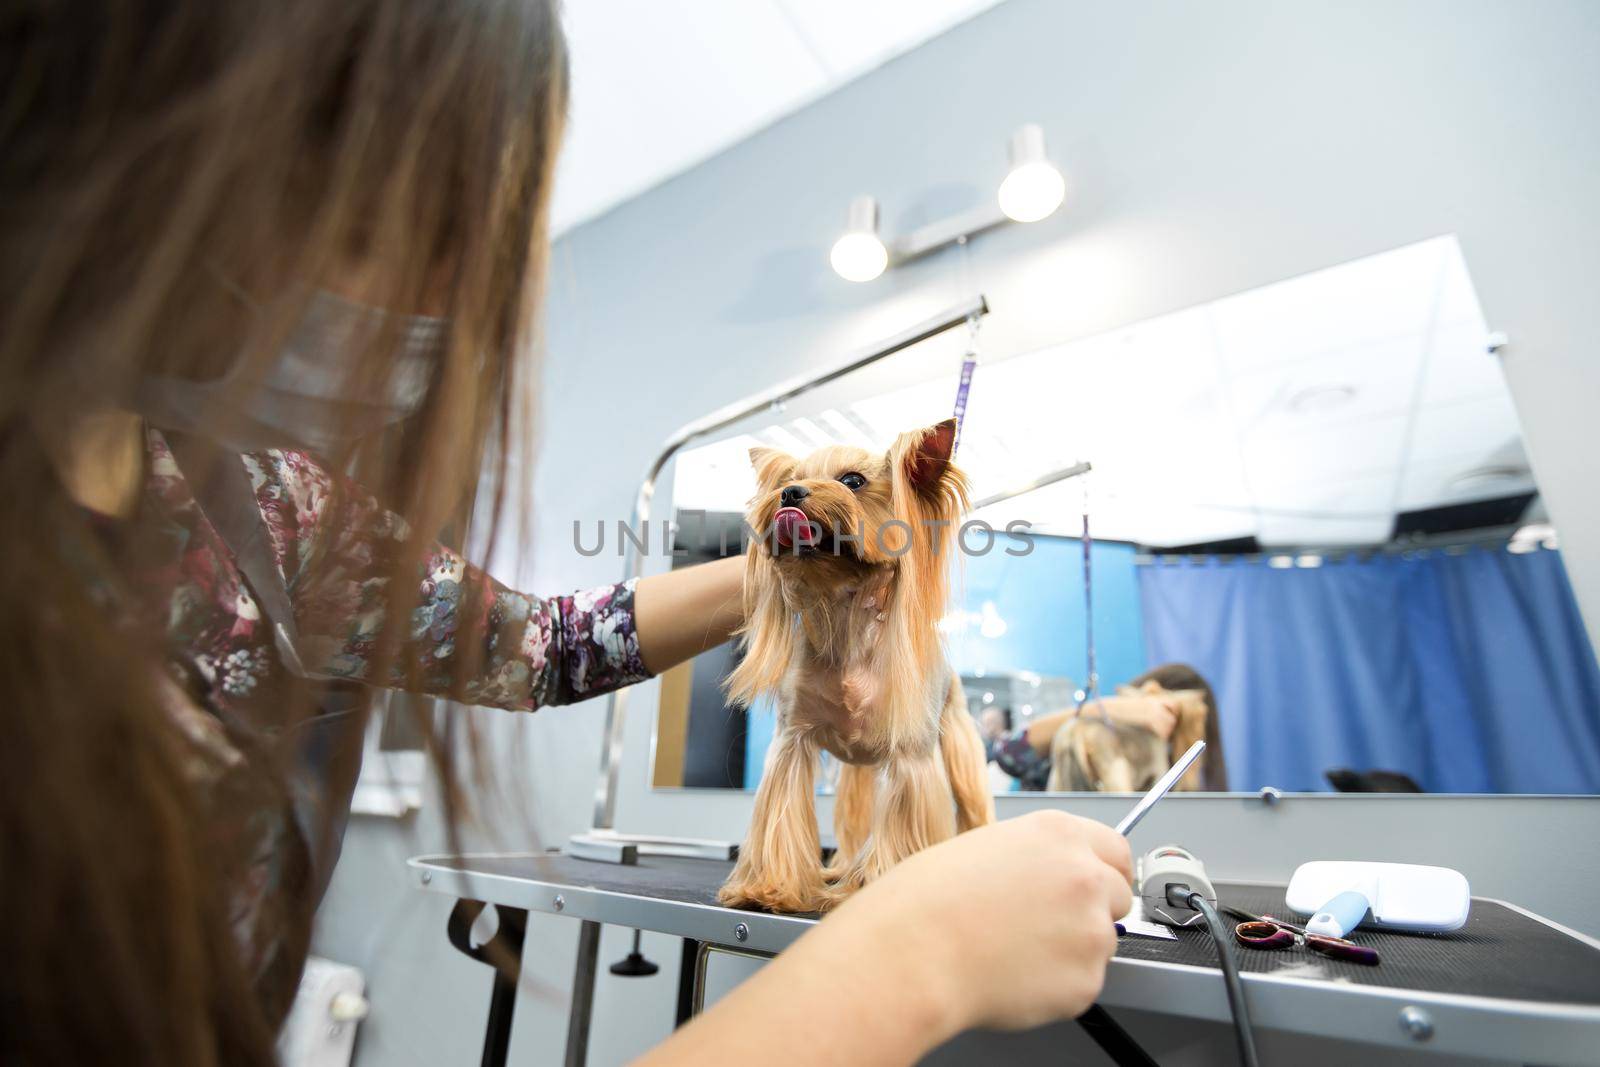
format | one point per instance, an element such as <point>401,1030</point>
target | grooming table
<point>1510,985</point>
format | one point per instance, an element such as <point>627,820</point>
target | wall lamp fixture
<point>1032,190</point>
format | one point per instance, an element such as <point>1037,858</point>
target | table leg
<point>503,952</point>
<point>1113,1039</point>
<point>686,982</point>
<point>702,961</point>
<point>582,994</point>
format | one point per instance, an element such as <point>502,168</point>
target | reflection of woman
<point>1157,701</point>
<point>182,181</point>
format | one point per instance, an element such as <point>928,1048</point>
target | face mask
<point>303,397</point>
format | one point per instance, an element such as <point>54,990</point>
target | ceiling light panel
<point>1342,386</point>
<point>1325,453</point>
<point>1471,430</point>
<point>812,434</point>
<point>715,477</point>
<point>1371,299</point>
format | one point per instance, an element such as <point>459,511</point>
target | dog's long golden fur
<point>845,634</point>
<point>1094,754</point>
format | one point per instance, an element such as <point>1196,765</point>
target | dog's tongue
<point>793,528</point>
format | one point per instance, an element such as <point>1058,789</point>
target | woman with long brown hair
<point>239,243</point>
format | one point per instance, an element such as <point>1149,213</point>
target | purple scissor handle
<point>1265,932</point>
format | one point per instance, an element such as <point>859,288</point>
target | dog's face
<point>830,518</point>
<point>802,506</point>
<point>842,524</point>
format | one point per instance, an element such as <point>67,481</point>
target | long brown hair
<point>176,181</point>
<point>1178,676</point>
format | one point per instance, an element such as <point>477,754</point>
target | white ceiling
<point>1303,413</point>
<point>659,87</point>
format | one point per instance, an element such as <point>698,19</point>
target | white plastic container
<point>1400,896</point>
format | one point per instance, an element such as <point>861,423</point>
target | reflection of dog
<point>841,610</point>
<point>1093,754</point>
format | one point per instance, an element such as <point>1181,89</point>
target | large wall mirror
<point>1313,536</point>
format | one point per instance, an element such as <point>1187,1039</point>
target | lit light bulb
<point>1034,188</point>
<point>859,256</point>
<point>1032,192</point>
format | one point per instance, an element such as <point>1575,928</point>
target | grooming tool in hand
<point>1164,867</point>
<point>1342,895</point>
<point>1159,790</point>
<point>1269,933</point>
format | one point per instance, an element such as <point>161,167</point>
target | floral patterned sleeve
<point>334,546</point>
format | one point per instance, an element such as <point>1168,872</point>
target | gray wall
<point>1209,148</point>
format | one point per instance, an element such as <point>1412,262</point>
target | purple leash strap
<point>961,397</point>
<point>1091,689</point>
<point>967,365</point>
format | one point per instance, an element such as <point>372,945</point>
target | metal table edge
<point>1489,1027</point>
<point>761,931</point>
<point>1540,1031</point>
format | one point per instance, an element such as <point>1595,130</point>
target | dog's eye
<point>852,481</point>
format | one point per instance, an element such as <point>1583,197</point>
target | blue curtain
<point>1470,671</point>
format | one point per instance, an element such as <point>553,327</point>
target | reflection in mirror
<point>1312,537</point>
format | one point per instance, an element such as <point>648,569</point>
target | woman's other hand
<point>1007,926</point>
<point>1158,714</point>
<point>1154,709</point>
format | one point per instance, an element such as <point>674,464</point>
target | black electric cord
<point>1181,896</point>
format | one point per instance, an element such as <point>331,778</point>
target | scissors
<point>1265,932</point>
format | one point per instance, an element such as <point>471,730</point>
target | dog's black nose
<point>792,495</point>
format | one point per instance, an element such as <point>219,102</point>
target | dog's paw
<point>832,897</point>
<point>848,880</point>
<point>771,897</point>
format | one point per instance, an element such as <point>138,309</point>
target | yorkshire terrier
<point>843,596</point>
<point>1092,753</point>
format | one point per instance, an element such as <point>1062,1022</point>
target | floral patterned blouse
<point>332,544</point>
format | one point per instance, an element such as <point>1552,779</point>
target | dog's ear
<point>925,454</point>
<point>927,485</point>
<point>772,465</point>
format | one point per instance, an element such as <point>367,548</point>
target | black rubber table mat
<point>1499,953</point>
